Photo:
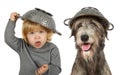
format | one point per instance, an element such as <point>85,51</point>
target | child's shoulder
<point>54,49</point>
<point>51,43</point>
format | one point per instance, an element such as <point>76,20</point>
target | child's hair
<point>29,26</point>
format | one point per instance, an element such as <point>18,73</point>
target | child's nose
<point>37,36</point>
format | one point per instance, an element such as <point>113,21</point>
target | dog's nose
<point>84,38</point>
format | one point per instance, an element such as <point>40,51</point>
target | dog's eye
<point>79,25</point>
<point>93,24</point>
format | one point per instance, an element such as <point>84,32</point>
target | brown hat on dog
<point>90,12</point>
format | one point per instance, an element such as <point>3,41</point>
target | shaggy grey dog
<point>89,28</point>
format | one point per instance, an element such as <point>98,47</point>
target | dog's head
<point>89,30</point>
<point>89,35</point>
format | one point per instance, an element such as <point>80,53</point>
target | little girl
<point>38,56</point>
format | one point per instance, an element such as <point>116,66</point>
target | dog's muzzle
<point>85,45</point>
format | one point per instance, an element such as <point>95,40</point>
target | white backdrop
<point>61,9</point>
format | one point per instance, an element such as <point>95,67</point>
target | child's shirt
<point>32,58</point>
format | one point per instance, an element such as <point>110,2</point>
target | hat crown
<point>89,11</point>
<point>41,17</point>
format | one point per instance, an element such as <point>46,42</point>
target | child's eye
<point>41,31</point>
<point>31,32</point>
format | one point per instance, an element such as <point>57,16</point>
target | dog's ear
<point>105,24</point>
<point>74,27</point>
<point>72,31</point>
<point>68,22</point>
<point>109,29</point>
<point>106,33</point>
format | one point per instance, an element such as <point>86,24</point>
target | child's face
<point>37,38</point>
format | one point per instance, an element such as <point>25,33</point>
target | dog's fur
<point>89,34</point>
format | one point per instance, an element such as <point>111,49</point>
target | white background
<point>61,9</point>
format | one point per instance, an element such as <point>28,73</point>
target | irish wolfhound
<point>89,28</point>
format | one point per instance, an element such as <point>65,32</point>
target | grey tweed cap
<point>41,17</point>
<point>89,12</point>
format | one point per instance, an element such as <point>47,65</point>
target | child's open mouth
<point>38,43</point>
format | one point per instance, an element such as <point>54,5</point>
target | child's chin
<point>37,46</point>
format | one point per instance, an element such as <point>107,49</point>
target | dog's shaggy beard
<point>94,50</point>
<point>91,61</point>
